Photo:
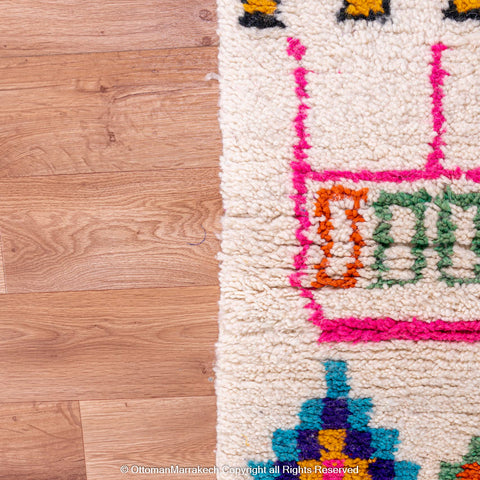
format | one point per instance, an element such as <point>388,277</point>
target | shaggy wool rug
<point>350,264</point>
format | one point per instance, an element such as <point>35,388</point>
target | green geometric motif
<point>446,233</point>
<point>468,468</point>
<point>417,203</point>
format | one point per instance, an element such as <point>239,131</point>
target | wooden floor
<point>109,222</point>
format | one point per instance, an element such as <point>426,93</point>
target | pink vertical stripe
<point>299,164</point>
<point>436,80</point>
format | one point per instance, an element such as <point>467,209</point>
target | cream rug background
<point>370,87</point>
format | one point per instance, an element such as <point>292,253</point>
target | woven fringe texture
<point>350,264</point>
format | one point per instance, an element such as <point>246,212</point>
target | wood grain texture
<point>108,112</point>
<point>42,27</point>
<point>107,345</point>
<point>110,231</point>
<point>41,441</point>
<point>3,287</point>
<point>109,146</point>
<point>155,433</point>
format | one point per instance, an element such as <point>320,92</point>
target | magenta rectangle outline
<point>369,329</point>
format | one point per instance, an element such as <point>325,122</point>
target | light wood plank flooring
<point>109,221</point>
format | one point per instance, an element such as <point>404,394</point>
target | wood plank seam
<point>83,174</point>
<point>97,52</point>
<point>82,438</point>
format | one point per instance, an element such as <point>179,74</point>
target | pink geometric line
<point>433,169</point>
<point>436,80</point>
<point>376,330</point>
<point>388,176</point>
<point>368,329</point>
<point>300,165</point>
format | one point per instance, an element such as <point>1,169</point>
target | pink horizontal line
<point>376,330</point>
<point>393,176</point>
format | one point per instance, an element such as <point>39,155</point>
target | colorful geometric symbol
<point>364,10</point>
<point>467,469</point>
<point>461,10</point>
<point>375,244</point>
<point>334,440</point>
<point>260,14</point>
<point>323,211</point>
<point>423,208</point>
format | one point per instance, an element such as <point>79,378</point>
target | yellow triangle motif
<point>260,14</point>
<point>364,7</point>
<point>461,10</point>
<point>364,10</point>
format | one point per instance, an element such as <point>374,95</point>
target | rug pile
<point>350,265</point>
